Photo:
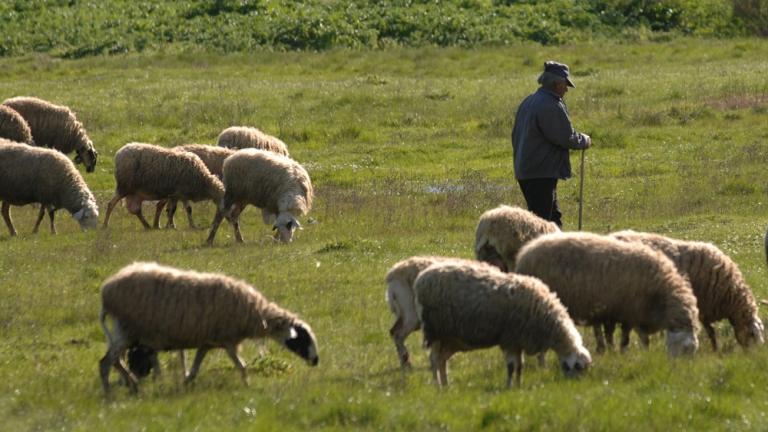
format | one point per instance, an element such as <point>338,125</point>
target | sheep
<point>164,308</point>
<point>149,172</point>
<point>601,279</point>
<point>467,305</point>
<point>213,158</point>
<point>502,231</point>
<point>13,127</point>
<point>402,300</point>
<point>56,127</point>
<point>239,137</point>
<point>277,184</point>
<point>38,175</point>
<point>720,289</point>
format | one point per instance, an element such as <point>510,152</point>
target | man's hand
<point>587,140</point>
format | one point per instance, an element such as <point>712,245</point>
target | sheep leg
<point>644,341</point>
<point>188,210</point>
<point>115,199</point>
<point>438,358</point>
<point>40,216</point>
<point>6,210</point>
<point>154,359</point>
<point>199,355</point>
<point>514,367</point>
<point>215,226</point>
<point>239,363</point>
<point>712,335</point>
<point>597,329</point>
<point>51,215</point>
<point>170,212</point>
<point>113,357</point>
<point>542,358</point>
<point>399,331</point>
<point>158,211</point>
<point>235,219</point>
<point>625,330</point>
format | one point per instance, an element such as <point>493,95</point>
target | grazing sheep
<point>276,184</point>
<point>401,298</point>
<point>147,172</point>
<point>239,137</point>
<point>502,231</point>
<point>601,279</point>
<point>470,305</point>
<point>56,127</point>
<point>213,158</point>
<point>37,175</point>
<point>720,289</point>
<point>162,308</point>
<point>13,127</point>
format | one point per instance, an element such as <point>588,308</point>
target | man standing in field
<point>541,139</point>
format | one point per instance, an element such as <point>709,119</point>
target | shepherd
<point>541,140</point>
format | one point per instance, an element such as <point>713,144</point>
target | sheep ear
<point>79,214</point>
<point>292,333</point>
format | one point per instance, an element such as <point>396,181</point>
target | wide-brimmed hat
<point>560,70</point>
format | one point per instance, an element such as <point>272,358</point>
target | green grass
<point>406,148</point>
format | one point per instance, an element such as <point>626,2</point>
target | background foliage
<point>79,28</point>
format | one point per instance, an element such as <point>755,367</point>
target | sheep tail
<point>104,328</point>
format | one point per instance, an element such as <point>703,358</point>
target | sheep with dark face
<point>56,127</point>
<point>163,308</point>
<point>466,305</point>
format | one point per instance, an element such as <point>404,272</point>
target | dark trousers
<point>541,197</point>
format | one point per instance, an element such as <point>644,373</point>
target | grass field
<point>406,148</point>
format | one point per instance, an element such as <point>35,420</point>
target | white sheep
<point>502,231</point>
<point>239,137</point>
<point>213,158</point>
<point>38,175</point>
<point>146,172</point>
<point>276,184</point>
<point>401,298</point>
<point>163,308</point>
<point>470,305</point>
<point>601,279</point>
<point>720,289</point>
<point>56,127</point>
<point>13,127</point>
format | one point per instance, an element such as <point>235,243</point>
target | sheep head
<point>681,342</point>
<point>298,337</point>
<point>751,333</point>
<point>87,216</point>
<point>575,363</point>
<point>87,156</point>
<point>284,227</point>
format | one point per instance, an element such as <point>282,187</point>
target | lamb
<point>402,299</point>
<point>502,231</point>
<point>38,175</point>
<point>56,127</point>
<point>163,308</point>
<point>13,127</point>
<point>213,158</point>
<point>239,137</point>
<point>717,282</point>
<point>277,184</point>
<point>148,172</point>
<point>465,306</point>
<point>601,279</point>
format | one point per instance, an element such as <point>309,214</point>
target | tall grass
<point>406,148</point>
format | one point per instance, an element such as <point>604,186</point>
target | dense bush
<point>77,28</point>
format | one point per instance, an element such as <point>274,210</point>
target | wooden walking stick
<point>581,187</point>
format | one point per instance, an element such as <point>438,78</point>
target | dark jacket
<point>542,136</point>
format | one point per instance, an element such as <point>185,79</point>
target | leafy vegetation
<point>406,148</point>
<point>79,28</point>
